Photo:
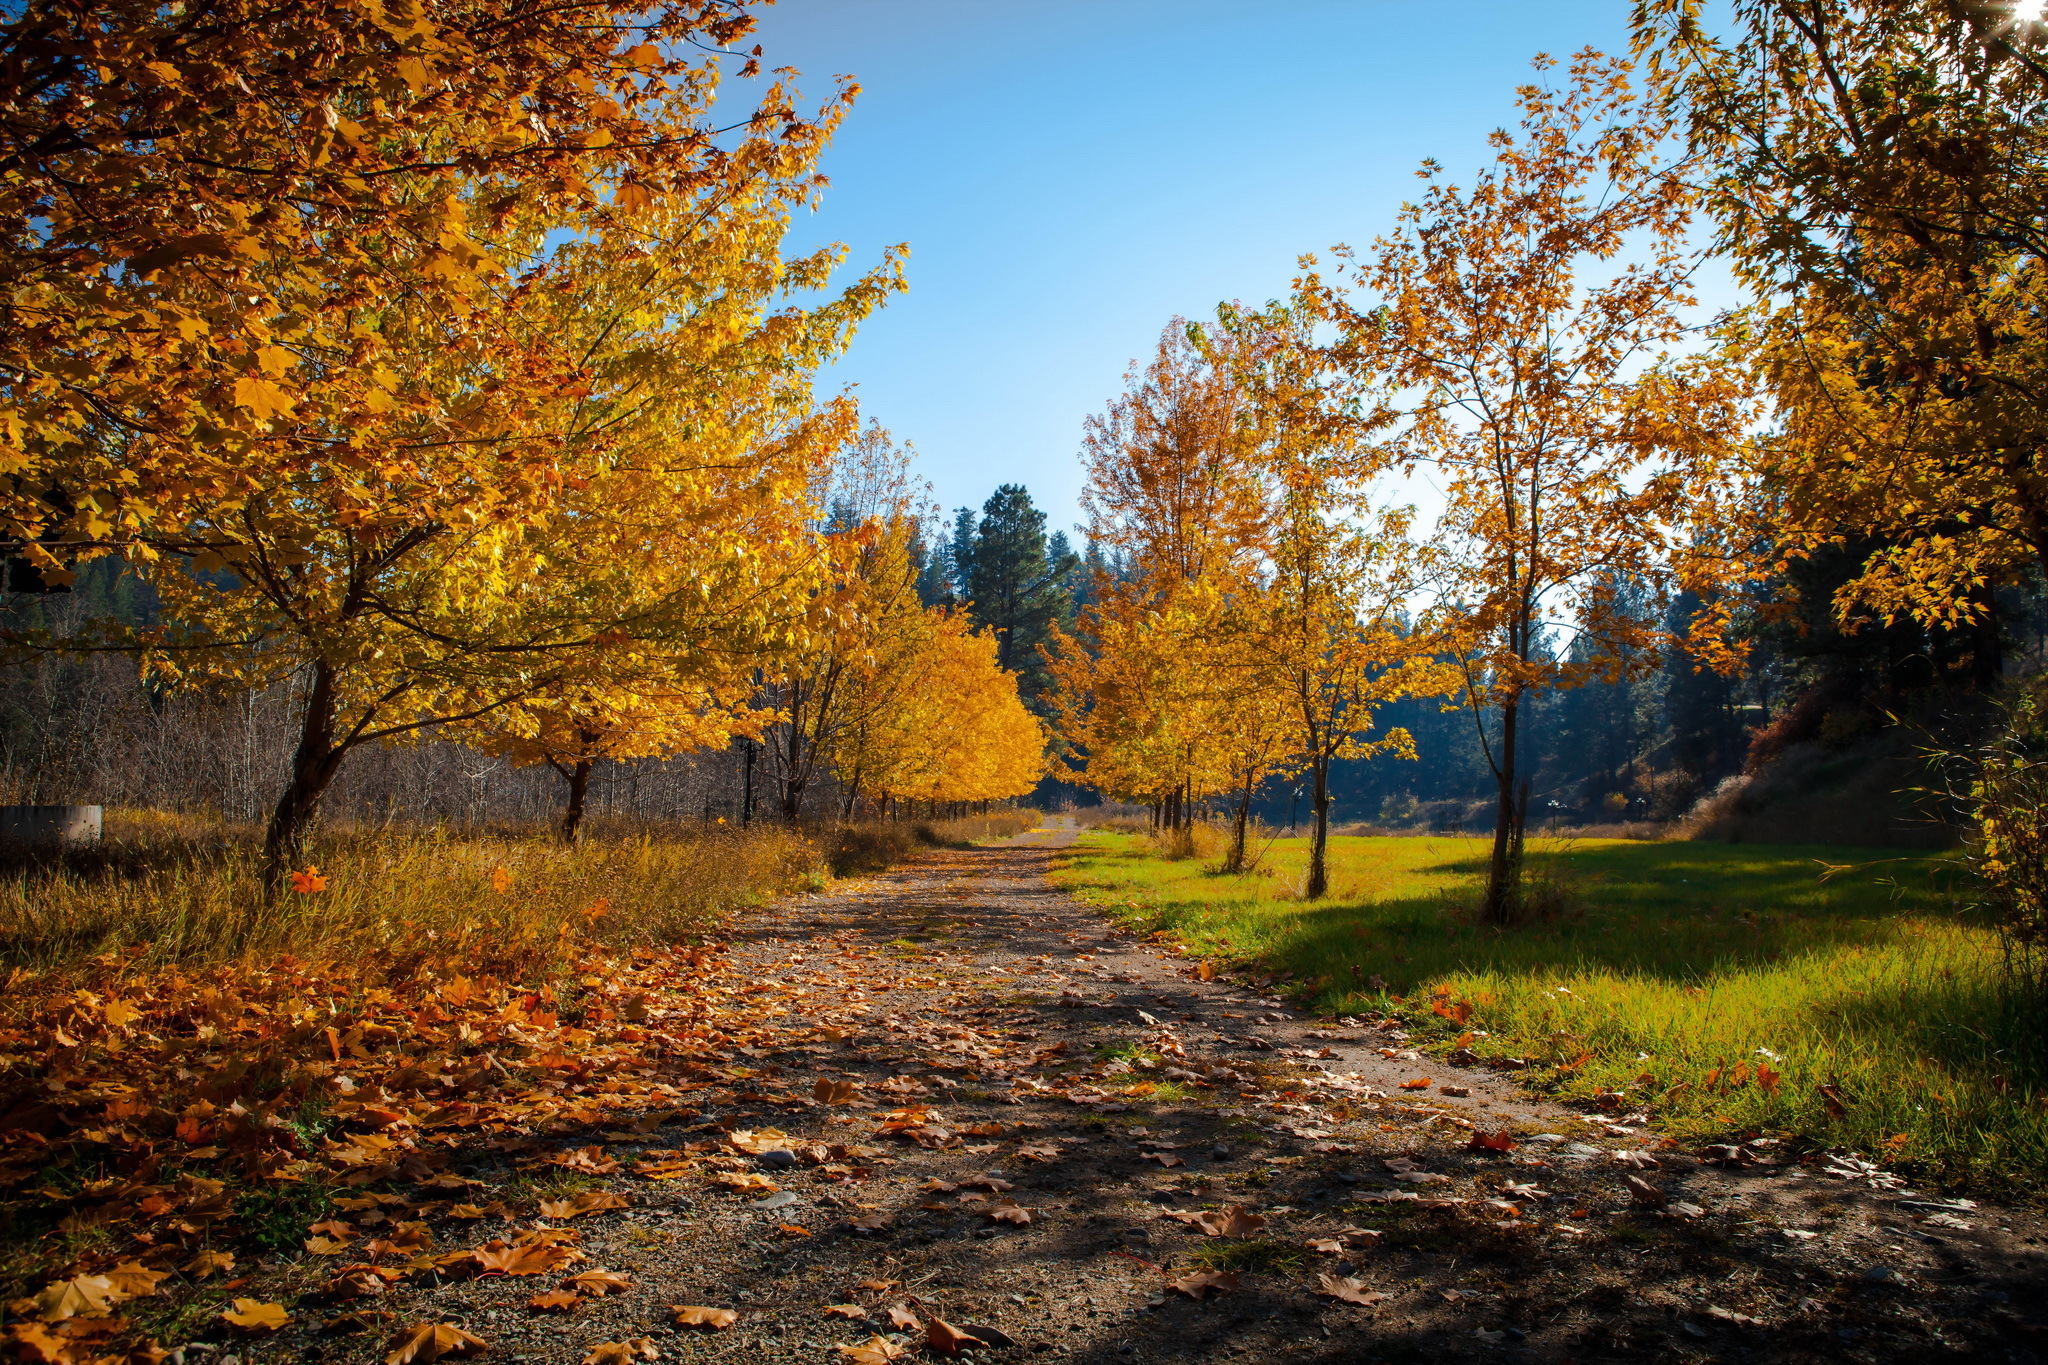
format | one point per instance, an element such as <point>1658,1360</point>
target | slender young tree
<point>1539,322</point>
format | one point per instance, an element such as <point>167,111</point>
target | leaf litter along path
<point>969,1112</point>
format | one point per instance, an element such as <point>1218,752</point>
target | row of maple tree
<point>444,361</point>
<point>1532,344</point>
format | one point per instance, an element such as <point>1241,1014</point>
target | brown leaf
<point>590,1201</point>
<point>851,1311</point>
<point>1009,1211</point>
<point>534,1259</point>
<point>876,1350</point>
<point>81,1295</point>
<point>1203,1283</point>
<point>621,1352</point>
<point>715,1319</point>
<point>133,1280</point>
<point>428,1341</point>
<point>1417,1083</point>
<point>1351,1291</point>
<point>943,1338</point>
<point>591,1160</point>
<point>903,1320</point>
<point>598,1282</point>
<point>834,1092</point>
<point>207,1263</point>
<point>1491,1142</point>
<point>1643,1192</point>
<point>1234,1221</point>
<point>254,1316</point>
<point>878,1286</point>
<point>554,1301</point>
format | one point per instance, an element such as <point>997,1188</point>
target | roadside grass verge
<point>162,893</point>
<point>1835,996</point>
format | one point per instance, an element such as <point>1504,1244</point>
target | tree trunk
<point>1503,902</point>
<point>579,788</point>
<point>314,764</point>
<point>1318,883</point>
<point>747,790</point>
<point>1237,834</point>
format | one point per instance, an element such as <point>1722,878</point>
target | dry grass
<point>164,890</point>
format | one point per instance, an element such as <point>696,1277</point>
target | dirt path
<point>1014,1160</point>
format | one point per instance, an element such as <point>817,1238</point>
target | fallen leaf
<point>943,1338</point>
<point>834,1092</point>
<point>1234,1221</point>
<point>590,1160</point>
<point>879,1286</point>
<point>590,1201</point>
<point>432,1341</point>
<point>1009,1211</point>
<point>903,1320</point>
<point>533,1259</point>
<point>853,1312</point>
<point>1643,1192</point>
<point>876,1350</point>
<point>1203,1283</point>
<point>255,1316</point>
<point>716,1319</point>
<point>598,1282</point>
<point>81,1295</point>
<point>1351,1291</point>
<point>133,1280</point>
<point>1417,1083</point>
<point>207,1263</point>
<point>621,1352</point>
<point>554,1301</point>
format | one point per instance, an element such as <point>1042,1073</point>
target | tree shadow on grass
<point>1673,911</point>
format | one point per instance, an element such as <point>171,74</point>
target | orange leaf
<point>309,881</point>
<point>717,1319</point>
<point>1351,1291</point>
<point>833,1092</point>
<point>621,1352</point>
<point>599,1282</point>
<point>255,1316</point>
<point>1491,1142</point>
<point>1418,1083</point>
<point>1203,1283</point>
<point>554,1301</point>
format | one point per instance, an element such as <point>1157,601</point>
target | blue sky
<point>1069,176</point>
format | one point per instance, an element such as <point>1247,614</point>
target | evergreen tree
<point>1015,582</point>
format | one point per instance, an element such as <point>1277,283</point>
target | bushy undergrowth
<point>1837,996</point>
<point>164,890</point>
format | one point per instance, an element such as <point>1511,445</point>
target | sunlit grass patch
<point>1835,995</point>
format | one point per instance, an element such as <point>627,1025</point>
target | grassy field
<point>1829,994</point>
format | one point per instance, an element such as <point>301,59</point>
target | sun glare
<point>2028,11</point>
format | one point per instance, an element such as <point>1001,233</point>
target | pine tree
<point>1015,584</point>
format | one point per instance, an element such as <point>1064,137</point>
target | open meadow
<point>1833,995</point>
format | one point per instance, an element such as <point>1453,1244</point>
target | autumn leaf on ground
<point>877,1350</point>
<point>34,1346</point>
<point>879,1286</point>
<point>255,1316</point>
<point>86,1295</point>
<point>852,1311</point>
<point>1038,1152</point>
<point>431,1341</point>
<point>943,1338</point>
<point>833,1092</point>
<point>1009,1211</point>
<point>621,1352</point>
<point>501,880</point>
<point>588,1159</point>
<point>133,1280</point>
<point>746,1181</point>
<point>598,1282</point>
<point>591,1201</point>
<point>663,1170</point>
<point>1416,1083</point>
<point>873,1222</point>
<point>903,1320</point>
<point>1351,1291</point>
<point>1643,1192</point>
<point>1234,1221</point>
<point>537,1259</point>
<point>554,1301</point>
<point>1491,1142</point>
<point>716,1319</point>
<point>1203,1283</point>
<point>1205,971</point>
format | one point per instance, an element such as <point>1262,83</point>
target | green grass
<point>1666,964</point>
